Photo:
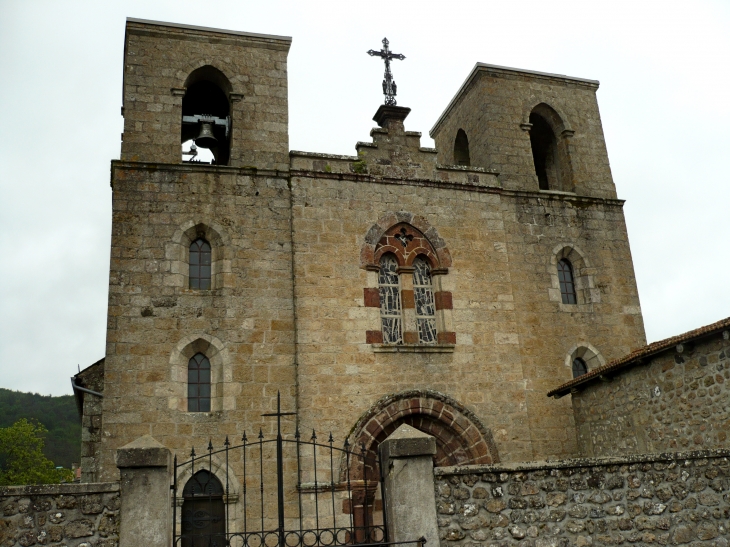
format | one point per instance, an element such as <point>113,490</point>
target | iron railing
<point>325,496</point>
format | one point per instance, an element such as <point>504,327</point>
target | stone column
<point>410,501</point>
<point>145,513</point>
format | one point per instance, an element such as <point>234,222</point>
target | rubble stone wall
<point>72,515</point>
<point>662,499</point>
<point>674,401</point>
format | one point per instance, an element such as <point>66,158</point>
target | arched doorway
<point>461,439</point>
<point>203,512</point>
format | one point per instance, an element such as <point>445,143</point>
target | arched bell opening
<point>544,148</point>
<point>550,149</point>
<point>461,149</point>
<point>206,119</point>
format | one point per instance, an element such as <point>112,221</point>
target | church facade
<point>447,288</point>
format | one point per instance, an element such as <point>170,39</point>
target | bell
<point>206,139</point>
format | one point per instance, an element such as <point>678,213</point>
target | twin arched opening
<point>410,259</point>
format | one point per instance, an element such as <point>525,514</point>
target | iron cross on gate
<point>389,87</point>
<point>279,467</point>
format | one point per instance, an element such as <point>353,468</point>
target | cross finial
<point>389,87</point>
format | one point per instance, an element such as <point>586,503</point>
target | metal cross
<point>278,412</point>
<point>389,87</point>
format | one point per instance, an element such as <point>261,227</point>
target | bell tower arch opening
<point>206,119</point>
<point>550,152</point>
<point>461,149</point>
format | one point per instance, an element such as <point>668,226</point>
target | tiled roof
<point>637,355</point>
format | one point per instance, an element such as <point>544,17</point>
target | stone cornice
<point>505,71</point>
<point>354,177</point>
<point>194,32</point>
<point>537,194</point>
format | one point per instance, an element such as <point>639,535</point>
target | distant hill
<point>58,414</point>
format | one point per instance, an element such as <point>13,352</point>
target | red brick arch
<point>406,236</point>
<point>461,438</point>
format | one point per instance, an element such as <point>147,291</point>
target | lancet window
<point>390,303</point>
<point>579,367</point>
<point>200,264</point>
<point>199,383</point>
<point>567,285</point>
<point>424,302</point>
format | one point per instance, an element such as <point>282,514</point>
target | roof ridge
<point>644,351</point>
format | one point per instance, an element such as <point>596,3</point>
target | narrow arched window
<point>579,367</point>
<point>425,307</point>
<point>544,152</point>
<point>390,308</point>
<point>203,520</point>
<point>461,149</point>
<point>198,383</point>
<point>567,287</point>
<point>200,264</point>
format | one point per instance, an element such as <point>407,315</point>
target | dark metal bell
<point>206,139</point>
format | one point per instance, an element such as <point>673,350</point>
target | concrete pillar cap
<point>146,451</point>
<point>407,441</point>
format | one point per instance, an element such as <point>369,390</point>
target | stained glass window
<point>390,308</point>
<point>579,367</point>
<point>200,264</point>
<point>199,383</point>
<point>425,308</point>
<point>567,287</point>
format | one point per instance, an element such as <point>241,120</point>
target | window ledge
<point>557,192</point>
<point>413,348</point>
<point>576,308</point>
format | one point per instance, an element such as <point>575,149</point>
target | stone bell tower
<point>180,80</point>
<point>200,322</point>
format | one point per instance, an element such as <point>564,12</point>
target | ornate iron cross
<point>389,87</point>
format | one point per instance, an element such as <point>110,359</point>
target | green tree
<point>21,456</point>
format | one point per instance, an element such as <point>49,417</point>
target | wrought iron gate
<point>325,496</point>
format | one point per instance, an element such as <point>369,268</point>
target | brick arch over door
<point>434,246</point>
<point>461,438</point>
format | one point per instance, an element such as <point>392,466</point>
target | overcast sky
<point>664,100</point>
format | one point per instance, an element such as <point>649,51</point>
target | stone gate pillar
<point>406,458</point>
<point>145,516</point>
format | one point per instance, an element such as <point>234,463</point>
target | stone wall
<point>665,499</point>
<point>156,323</point>
<point>91,378</point>
<point>70,515</point>
<point>512,332</point>
<point>671,401</point>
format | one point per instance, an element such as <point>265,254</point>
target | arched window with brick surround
<point>390,308</point>
<point>409,262</point>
